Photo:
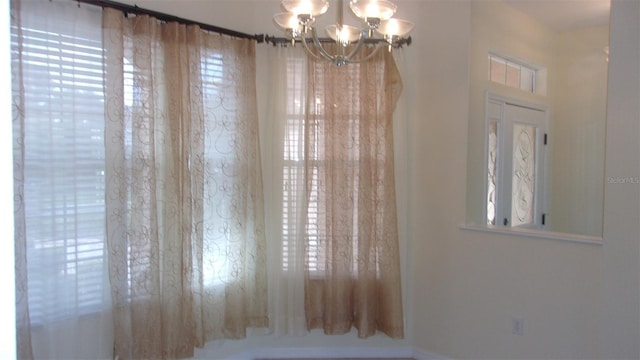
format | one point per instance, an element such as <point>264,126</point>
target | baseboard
<point>420,354</point>
<point>334,352</point>
<point>338,352</point>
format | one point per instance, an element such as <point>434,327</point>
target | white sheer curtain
<point>61,280</point>
<point>185,212</point>
<point>283,175</point>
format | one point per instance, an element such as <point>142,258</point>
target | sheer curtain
<point>61,280</point>
<point>340,232</point>
<point>185,213</point>
<point>284,176</point>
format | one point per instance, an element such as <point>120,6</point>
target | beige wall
<point>463,287</point>
<point>576,164</point>
<point>473,283</point>
<point>621,286</point>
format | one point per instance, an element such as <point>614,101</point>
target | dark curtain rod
<point>134,9</point>
<point>260,38</point>
<point>287,41</point>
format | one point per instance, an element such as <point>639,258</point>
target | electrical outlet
<point>517,325</point>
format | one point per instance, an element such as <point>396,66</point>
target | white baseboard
<point>338,352</point>
<point>333,352</point>
<point>420,354</point>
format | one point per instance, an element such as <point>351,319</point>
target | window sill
<point>549,235</point>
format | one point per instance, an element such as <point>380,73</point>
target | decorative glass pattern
<point>522,204</point>
<point>492,157</point>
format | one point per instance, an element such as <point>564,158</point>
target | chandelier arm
<point>322,51</point>
<point>356,50</point>
<point>368,57</point>
<point>306,46</point>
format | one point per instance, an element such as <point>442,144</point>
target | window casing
<point>518,74</point>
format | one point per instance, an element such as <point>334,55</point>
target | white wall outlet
<point>517,325</point>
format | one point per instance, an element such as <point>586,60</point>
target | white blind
<point>293,201</point>
<point>63,163</point>
<point>309,231</point>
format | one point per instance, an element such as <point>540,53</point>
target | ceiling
<point>558,14</point>
<point>566,14</point>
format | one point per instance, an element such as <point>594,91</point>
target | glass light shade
<point>382,10</point>
<point>286,21</point>
<point>306,7</point>
<point>395,27</point>
<point>348,34</point>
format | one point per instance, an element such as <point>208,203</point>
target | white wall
<point>621,302</point>
<point>577,300</point>
<point>577,136</point>
<point>471,284</point>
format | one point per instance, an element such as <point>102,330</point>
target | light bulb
<point>344,34</point>
<point>395,27</point>
<point>286,21</point>
<point>372,10</point>
<point>378,9</point>
<point>306,7</point>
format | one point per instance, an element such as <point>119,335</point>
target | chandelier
<point>376,15</point>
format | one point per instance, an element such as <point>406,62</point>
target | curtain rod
<point>287,41</point>
<point>260,38</point>
<point>134,9</point>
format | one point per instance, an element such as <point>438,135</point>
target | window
<point>297,203</point>
<point>515,139</point>
<point>64,180</point>
<point>293,172</point>
<point>215,266</point>
<point>216,204</point>
<point>517,74</point>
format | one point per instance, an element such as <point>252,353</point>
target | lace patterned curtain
<point>183,185</point>
<point>340,204</point>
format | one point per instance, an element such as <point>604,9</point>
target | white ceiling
<point>558,14</point>
<point>566,14</point>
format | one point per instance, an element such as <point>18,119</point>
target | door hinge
<point>545,138</point>
<point>544,218</point>
<point>505,222</point>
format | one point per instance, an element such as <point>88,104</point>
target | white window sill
<point>549,235</point>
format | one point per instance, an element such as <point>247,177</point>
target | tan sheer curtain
<point>352,257</point>
<point>184,189</point>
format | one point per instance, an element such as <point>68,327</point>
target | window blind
<point>295,206</point>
